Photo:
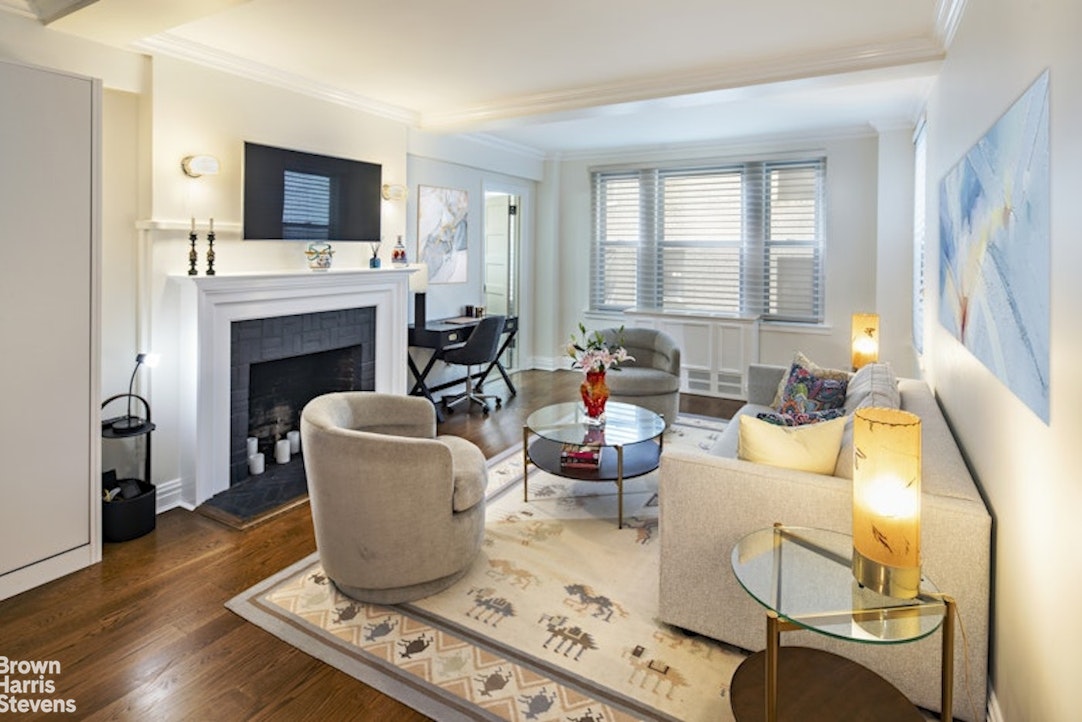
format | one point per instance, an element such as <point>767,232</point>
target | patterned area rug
<point>557,619</point>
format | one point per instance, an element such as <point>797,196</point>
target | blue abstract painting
<point>995,248</point>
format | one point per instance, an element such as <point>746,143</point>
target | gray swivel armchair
<point>652,380</point>
<point>399,513</point>
<point>481,347</point>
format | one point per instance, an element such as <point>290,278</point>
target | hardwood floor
<point>145,634</point>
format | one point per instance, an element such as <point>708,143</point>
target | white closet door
<point>48,307</point>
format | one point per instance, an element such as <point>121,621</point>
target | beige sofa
<point>709,501</point>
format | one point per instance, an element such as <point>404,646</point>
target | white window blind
<point>919,219</point>
<point>741,239</point>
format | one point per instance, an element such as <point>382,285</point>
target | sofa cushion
<point>812,447</point>
<point>641,381</point>
<point>873,385</point>
<point>811,388</point>
<point>799,359</point>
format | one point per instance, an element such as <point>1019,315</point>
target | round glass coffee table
<point>629,444</point>
<point>804,579</point>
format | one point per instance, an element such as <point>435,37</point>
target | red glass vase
<point>595,392</point>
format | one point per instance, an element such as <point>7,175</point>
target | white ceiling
<point>561,76</point>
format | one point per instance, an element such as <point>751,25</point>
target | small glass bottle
<point>398,254</point>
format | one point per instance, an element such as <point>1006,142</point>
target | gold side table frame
<point>776,624</point>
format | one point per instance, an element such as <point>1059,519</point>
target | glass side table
<point>629,443</point>
<point>804,580</point>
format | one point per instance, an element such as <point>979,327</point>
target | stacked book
<point>574,456</point>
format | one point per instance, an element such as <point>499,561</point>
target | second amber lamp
<point>865,339</point>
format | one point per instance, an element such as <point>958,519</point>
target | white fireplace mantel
<point>208,307</point>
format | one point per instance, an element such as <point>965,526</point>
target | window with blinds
<point>740,239</point>
<point>920,176</point>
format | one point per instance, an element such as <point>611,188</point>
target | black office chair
<point>481,347</point>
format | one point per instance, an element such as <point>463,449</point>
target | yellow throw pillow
<point>812,447</point>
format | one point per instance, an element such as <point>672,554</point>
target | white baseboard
<point>169,496</point>
<point>994,713</point>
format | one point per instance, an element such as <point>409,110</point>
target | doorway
<point>501,230</point>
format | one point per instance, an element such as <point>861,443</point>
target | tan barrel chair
<point>399,513</point>
<point>652,380</point>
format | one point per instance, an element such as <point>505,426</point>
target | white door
<point>501,248</point>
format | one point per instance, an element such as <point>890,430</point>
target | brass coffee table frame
<point>636,453</point>
<point>775,624</point>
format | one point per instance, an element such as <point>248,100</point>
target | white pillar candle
<point>281,451</point>
<point>294,438</point>
<point>255,464</point>
<point>253,446</point>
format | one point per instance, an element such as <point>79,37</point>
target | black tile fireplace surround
<point>278,364</point>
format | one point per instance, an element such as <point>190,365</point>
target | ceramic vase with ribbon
<point>319,256</point>
<point>595,392</point>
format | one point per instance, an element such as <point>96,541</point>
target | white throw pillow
<point>813,447</point>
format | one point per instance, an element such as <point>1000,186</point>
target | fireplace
<point>207,309</point>
<point>279,364</point>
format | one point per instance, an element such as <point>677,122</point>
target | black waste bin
<point>123,519</point>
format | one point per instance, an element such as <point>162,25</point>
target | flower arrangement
<point>589,352</point>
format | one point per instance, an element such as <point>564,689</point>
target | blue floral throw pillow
<point>806,392</point>
<point>800,419</point>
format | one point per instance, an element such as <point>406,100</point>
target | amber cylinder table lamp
<point>864,337</point>
<point>886,501</point>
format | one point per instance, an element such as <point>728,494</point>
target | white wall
<point>851,197</point>
<point>1028,470</point>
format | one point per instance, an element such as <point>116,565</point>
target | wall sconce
<point>865,339</point>
<point>394,192</point>
<point>130,423</point>
<point>199,165</point>
<point>886,501</point>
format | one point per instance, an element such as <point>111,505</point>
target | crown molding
<point>843,60</point>
<point>948,15</point>
<point>176,47</point>
<point>18,7</point>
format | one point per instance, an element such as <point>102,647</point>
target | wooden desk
<point>439,335</point>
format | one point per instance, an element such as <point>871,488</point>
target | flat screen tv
<point>295,196</point>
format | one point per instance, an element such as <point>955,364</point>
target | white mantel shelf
<point>208,306</point>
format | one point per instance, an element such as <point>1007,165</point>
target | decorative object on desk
<point>210,249</point>
<point>864,336</point>
<point>373,262</point>
<point>442,237</point>
<point>256,464</point>
<point>252,444</point>
<point>398,254</point>
<point>886,501</point>
<point>193,256</point>
<point>131,423</point>
<point>419,287</point>
<point>294,438</point>
<point>995,249</point>
<point>319,256</point>
<point>589,352</point>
